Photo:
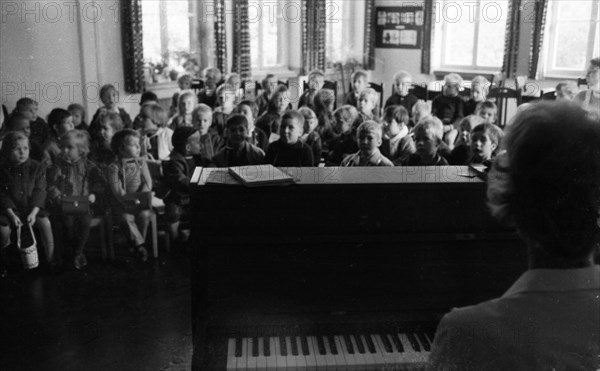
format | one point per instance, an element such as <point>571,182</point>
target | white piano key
<point>290,359</point>
<point>251,361</point>
<point>340,359</point>
<point>351,364</point>
<point>241,361</point>
<point>321,360</point>
<point>281,364</point>
<point>360,359</point>
<point>329,357</point>
<point>371,362</point>
<point>231,358</point>
<point>196,175</point>
<point>377,356</point>
<point>271,358</point>
<point>387,357</point>
<point>261,360</point>
<point>300,358</point>
<point>424,352</point>
<point>311,359</point>
<point>411,355</point>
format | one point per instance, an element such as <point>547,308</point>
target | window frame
<point>283,33</point>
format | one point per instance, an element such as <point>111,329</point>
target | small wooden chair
<point>581,81</point>
<point>419,91</point>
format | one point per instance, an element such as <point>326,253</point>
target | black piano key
<point>238,347</point>
<point>348,344</point>
<point>413,342</point>
<point>332,346</point>
<point>282,346</point>
<point>321,345</point>
<point>397,343</point>
<point>370,344</point>
<point>254,347</point>
<point>386,343</point>
<point>424,341</point>
<point>304,345</point>
<point>267,346</point>
<point>359,344</point>
<point>294,345</point>
<point>431,337</point>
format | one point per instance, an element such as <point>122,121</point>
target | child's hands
<point>15,220</point>
<point>92,198</point>
<point>31,218</point>
<point>53,192</point>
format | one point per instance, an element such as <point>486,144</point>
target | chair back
<point>549,95</point>
<point>379,89</point>
<point>502,95</point>
<point>418,91</point>
<point>581,81</point>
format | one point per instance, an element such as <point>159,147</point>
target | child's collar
<point>401,134</point>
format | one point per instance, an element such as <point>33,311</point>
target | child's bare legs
<point>45,228</point>
<point>138,227</point>
<point>78,233</point>
<point>173,214</point>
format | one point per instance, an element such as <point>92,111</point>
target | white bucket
<point>29,255</point>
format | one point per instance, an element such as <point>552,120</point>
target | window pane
<point>335,29</point>
<point>270,50</point>
<point>575,10</point>
<point>151,26</point>
<point>490,44</point>
<point>178,25</point>
<point>570,51</point>
<point>459,43</point>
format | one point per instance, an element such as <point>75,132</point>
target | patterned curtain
<point>133,47</point>
<point>511,41</point>
<point>537,37</point>
<point>313,35</point>
<point>242,63</point>
<point>428,21</point>
<point>369,41</point>
<point>220,36</point>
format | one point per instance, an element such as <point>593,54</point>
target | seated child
<point>233,79</point>
<point>177,171</point>
<point>109,97</point>
<point>210,144</point>
<point>316,80</point>
<point>269,86</point>
<point>310,136</point>
<point>566,90</point>
<point>398,144</point>
<point>479,89</point>
<point>61,122</point>
<point>270,121</point>
<point>19,122</point>
<point>256,136</point>
<point>461,154</point>
<point>289,150</point>
<point>449,107</point>
<point>323,103</point>
<point>156,136</point>
<point>72,174</point>
<point>238,152</point>
<point>419,111</point>
<point>488,111</point>
<point>22,195</point>
<point>101,153</point>
<point>428,136</point>
<point>129,174</point>
<point>148,98</point>
<point>367,104</point>
<point>485,142</point>
<point>347,120</point>
<point>38,127</point>
<point>208,96</point>
<point>184,82</point>
<point>185,106</point>
<point>359,83</point>
<point>402,96</point>
<point>226,98</point>
<point>79,116</point>
<point>369,140</point>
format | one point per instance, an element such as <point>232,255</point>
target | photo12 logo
<point>58,11</point>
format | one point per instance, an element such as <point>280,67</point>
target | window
<point>169,48</point>
<point>345,30</point>
<point>469,36</point>
<point>572,37</point>
<point>267,35</point>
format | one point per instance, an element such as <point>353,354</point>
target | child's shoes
<point>142,253</point>
<point>79,261</point>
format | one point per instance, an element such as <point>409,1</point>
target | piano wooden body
<point>342,257</point>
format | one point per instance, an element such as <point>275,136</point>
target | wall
<point>61,52</point>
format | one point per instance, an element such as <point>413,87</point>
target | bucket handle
<point>19,235</point>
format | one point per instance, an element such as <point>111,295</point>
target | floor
<point>122,315</point>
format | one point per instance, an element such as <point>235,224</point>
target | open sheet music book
<point>260,175</point>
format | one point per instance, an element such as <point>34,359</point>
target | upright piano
<point>347,269</point>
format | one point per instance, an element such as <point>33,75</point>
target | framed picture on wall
<point>399,27</point>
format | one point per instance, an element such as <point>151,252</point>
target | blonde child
<point>210,143</point>
<point>566,90</point>
<point>185,106</point>
<point>72,174</point>
<point>155,134</point>
<point>185,84</point>
<point>256,136</point>
<point>109,98</point>
<point>359,83</point>
<point>79,116</point>
<point>479,89</point>
<point>347,119</point>
<point>212,77</point>
<point>234,80</point>
<point>289,150</point>
<point>270,121</point>
<point>419,111</point>
<point>449,107</point>
<point>310,136</point>
<point>462,153</point>
<point>129,174</point>
<point>238,152</point>
<point>226,103</point>
<point>269,86</point>
<point>397,144</point>
<point>488,111</point>
<point>401,95</point>
<point>485,142</point>
<point>61,121</point>
<point>428,137</point>
<point>369,139</point>
<point>367,104</point>
<point>316,80</point>
<point>22,195</point>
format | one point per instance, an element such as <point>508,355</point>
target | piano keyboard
<point>385,351</point>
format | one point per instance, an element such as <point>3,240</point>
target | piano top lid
<point>354,175</point>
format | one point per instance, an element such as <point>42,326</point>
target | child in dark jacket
<point>238,152</point>
<point>289,150</point>
<point>428,136</point>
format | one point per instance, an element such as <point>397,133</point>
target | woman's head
<point>547,183</point>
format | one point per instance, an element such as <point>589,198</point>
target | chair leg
<point>153,225</point>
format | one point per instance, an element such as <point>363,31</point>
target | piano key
<point>321,345</point>
<point>290,359</point>
<point>254,347</point>
<point>359,359</point>
<point>266,346</point>
<point>396,359</point>
<point>340,357</point>
<point>360,346</point>
<point>431,336</point>
<point>397,343</point>
<point>271,357</point>
<point>238,347</point>
<point>332,345</point>
<point>410,354</point>
<point>320,361</point>
<point>369,342</point>
<point>301,364</point>
<point>241,360</point>
<point>386,343</point>
<point>350,361</point>
<point>304,345</point>
<point>279,359</point>
<point>282,346</point>
<point>251,359</point>
<point>413,341</point>
<point>231,359</point>
<point>424,341</point>
<point>379,354</point>
<point>329,357</point>
<point>294,345</point>
<point>261,360</point>
<point>368,356</point>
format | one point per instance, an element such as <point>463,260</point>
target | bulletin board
<point>399,27</point>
